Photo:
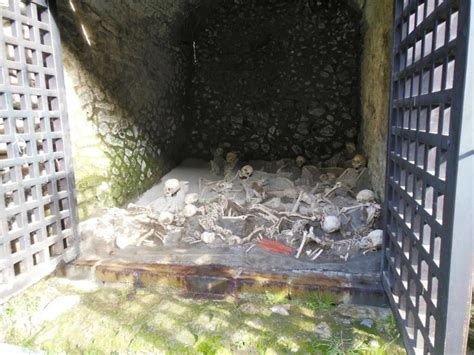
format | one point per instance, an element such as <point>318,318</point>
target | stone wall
<point>276,78</point>
<point>270,78</point>
<point>125,66</point>
<point>375,86</point>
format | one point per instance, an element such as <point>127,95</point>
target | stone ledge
<point>219,280</point>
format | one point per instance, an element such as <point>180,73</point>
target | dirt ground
<point>61,315</point>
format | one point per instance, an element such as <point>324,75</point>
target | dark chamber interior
<point>273,84</point>
<point>275,79</point>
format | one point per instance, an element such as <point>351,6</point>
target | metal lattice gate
<point>37,199</point>
<point>425,270</point>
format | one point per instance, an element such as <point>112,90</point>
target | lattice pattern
<point>425,44</point>
<point>36,198</point>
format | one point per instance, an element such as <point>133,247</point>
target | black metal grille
<point>37,201</point>
<point>429,52</point>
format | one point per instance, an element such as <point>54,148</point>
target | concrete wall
<point>125,66</point>
<point>375,86</point>
<point>276,78</point>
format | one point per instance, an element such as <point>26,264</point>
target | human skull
<point>365,196</point>
<point>331,224</point>
<point>189,210</point>
<point>359,161</point>
<point>191,198</point>
<point>208,237</point>
<point>300,161</point>
<point>374,240</point>
<point>245,172</point>
<point>231,158</point>
<point>165,218</point>
<point>172,186</point>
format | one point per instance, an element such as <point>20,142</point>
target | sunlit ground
<point>58,315</point>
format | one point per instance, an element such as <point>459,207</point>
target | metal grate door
<point>37,197</point>
<point>426,272</point>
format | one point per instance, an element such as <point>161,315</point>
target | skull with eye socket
<point>300,161</point>
<point>245,172</point>
<point>172,186</point>
<point>231,158</point>
<point>373,241</point>
<point>359,161</point>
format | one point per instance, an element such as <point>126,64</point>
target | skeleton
<point>338,187</point>
<point>365,196</point>
<point>373,212</point>
<point>189,210</point>
<point>121,228</point>
<point>191,198</point>
<point>166,218</point>
<point>245,172</point>
<point>220,186</point>
<point>328,178</point>
<point>352,208</point>
<point>308,198</point>
<point>300,161</point>
<point>372,241</point>
<point>208,237</point>
<point>171,188</point>
<point>351,177</point>
<point>331,224</point>
<point>210,215</point>
<point>234,240</point>
<point>303,242</point>
<point>136,209</point>
<point>276,207</point>
<point>231,160</point>
<point>359,161</point>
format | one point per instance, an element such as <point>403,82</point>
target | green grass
<point>209,345</point>
<point>390,326</point>
<point>337,344</point>
<point>276,298</point>
<point>321,301</point>
<point>120,320</point>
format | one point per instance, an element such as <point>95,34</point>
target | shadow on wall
<point>125,76</point>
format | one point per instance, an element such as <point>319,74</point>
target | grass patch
<point>390,327</point>
<point>119,320</point>
<point>321,301</point>
<point>209,345</point>
<point>276,298</point>
<point>335,345</point>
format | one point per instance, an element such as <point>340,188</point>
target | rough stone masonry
<point>276,78</point>
<point>125,69</point>
<point>163,80</point>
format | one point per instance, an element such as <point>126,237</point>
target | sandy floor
<point>190,170</point>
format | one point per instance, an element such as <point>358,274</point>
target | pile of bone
<point>317,212</point>
<point>158,223</point>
